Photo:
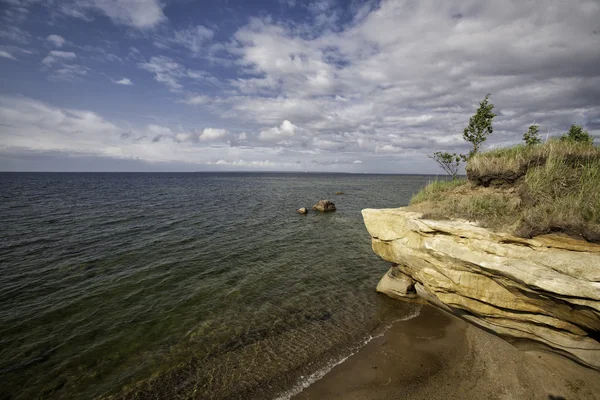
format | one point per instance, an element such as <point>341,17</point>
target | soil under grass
<point>525,190</point>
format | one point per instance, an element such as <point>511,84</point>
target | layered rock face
<point>546,289</point>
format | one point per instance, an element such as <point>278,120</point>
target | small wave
<point>305,381</point>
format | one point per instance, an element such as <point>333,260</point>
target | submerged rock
<point>302,210</point>
<point>324,206</point>
<point>338,193</point>
<point>545,289</point>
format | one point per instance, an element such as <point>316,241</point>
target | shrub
<point>532,136</point>
<point>449,162</point>
<point>480,125</point>
<point>577,134</point>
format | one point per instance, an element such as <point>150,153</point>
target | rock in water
<point>397,284</point>
<point>302,210</point>
<point>338,193</point>
<point>545,289</point>
<point>324,206</point>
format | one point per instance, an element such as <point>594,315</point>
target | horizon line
<point>219,172</point>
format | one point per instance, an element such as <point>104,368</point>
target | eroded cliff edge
<point>545,289</point>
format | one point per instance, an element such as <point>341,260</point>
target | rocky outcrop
<point>397,284</point>
<point>302,210</point>
<point>324,206</point>
<point>546,289</point>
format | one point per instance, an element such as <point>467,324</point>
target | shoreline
<point>438,356</point>
<point>306,382</point>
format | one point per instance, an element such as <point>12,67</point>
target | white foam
<point>305,382</point>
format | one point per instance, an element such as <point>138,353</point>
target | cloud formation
<point>319,85</point>
<point>170,73</point>
<point>68,72</point>
<point>140,14</point>
<point>278,133</point>
<point>211,134</point>
<point>406,76</point>
<point>6,54</point>
<point>195,39</point>
<point>123,81</point>
<point>58,56</point>
<point>56,40</point>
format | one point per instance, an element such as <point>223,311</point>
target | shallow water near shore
<point>205,284</point>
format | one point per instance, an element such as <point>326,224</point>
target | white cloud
<point>71,72</point>
<point>35,125</point>
<point>244,163</point>
<point>58,56</point>
<point>15,34</point>
<point>197,100</point>
<point>57,62</point>
<point>135,13</point>
<point>165,70</point>
<point>101,54</point>
<point>122,81</point>
<point>15,11</point>
<point>403,78</point>
<point>14,50</point>
<point>158,130</point>
<point>285,130</point>
<point>194,39</point>
<point>397,81</point>
<point>196,74</point>
<point>6,54</point>
<point>183,137</point>
<point>389,148</point>
<point>169,72</point>
<point>31,128</point>
<point>212,134</point>
<point>56,40</point>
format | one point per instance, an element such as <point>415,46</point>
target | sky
<point>285,85</point>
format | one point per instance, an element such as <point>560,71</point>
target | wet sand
<point>439,356</point>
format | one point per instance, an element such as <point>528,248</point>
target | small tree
<point>480,125</point>
<point>532,136</point>
<point>449,162</point>
<point>577,134</point>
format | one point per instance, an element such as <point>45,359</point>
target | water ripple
<point>133,284</point>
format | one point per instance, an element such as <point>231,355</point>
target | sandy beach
<point>439,356</point>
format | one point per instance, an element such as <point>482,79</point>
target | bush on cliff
<point>480,126</point>
<point>577,134</point>
<point>532,136</point>
<point>476,132</point>
<point>527,190</point>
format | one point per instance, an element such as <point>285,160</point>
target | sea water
<point>207,285</point>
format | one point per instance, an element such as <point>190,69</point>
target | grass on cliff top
<point>507,165</point>
<point>551,187</point>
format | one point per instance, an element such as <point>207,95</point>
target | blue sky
<point>324,85</point>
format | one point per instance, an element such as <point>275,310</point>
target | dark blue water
<point>200,285</point>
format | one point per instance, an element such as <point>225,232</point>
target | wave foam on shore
<point>305,381</point>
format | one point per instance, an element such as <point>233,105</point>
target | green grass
<point>564,195</point>
<point>507,165</point>
<point>436,190</point>
<point>551,187</point>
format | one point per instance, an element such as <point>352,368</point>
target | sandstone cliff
<point>546,289</point>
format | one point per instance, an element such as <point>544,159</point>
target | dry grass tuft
<point>552,187</point>
<point>436,190</point>
<point>506,166</point>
